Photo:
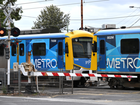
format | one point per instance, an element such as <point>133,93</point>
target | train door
<point>102,53</point>
<point>22,52</point>
<point>60,53</point>
<point>17,53</point>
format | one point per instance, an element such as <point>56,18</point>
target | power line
<point>33,2</point>
<point>129,21</point>
<point>93,19</point>
<point>134,23</point>
<point>29,16</point>
<point>67,4</point>
<point>107,18</point>
<point>128,15</point>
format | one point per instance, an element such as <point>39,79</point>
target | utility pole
<point>81,14</point>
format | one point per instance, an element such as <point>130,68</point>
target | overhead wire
<point>80,19</point>
<point>107,18</point>
<point>134,19</point>
<point>127,17</point>
<point>84,19</point>
<point>93,19</point>
<point>131,20</point>
<point>135,23</point>
<point>33,2</point>
<point>128,21</point>
<point>68,4</point>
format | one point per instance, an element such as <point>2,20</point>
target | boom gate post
<point>19,81</point>
<point>72,83</point>
<point>61,83</point>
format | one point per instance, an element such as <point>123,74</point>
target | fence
<point>19,83</point>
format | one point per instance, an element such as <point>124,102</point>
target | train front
<point>79,52</point>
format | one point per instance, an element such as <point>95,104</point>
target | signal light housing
<point>3,45</point>
<point>7,53</point>
<point>15,32</point>
<point>2,32</point>
<point>13,44</point>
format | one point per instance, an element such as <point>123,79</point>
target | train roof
<point>118,31</point>
<point>36,36</point>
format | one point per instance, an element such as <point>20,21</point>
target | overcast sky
<point>95,13</point>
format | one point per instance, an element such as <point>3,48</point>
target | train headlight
<point>77,68</point>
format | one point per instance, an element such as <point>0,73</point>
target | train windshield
<point>82,47</point>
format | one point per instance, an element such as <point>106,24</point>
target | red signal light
<point>3,45</point>
<point>15,32</point>
<point>2,31</point>
<point>14,43</point>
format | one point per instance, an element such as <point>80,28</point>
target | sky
<point>95,12</point>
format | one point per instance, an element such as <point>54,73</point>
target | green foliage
<point>52,17</point>
<point>1,1</point>
<point>10,1</point>
<point>15,13</point>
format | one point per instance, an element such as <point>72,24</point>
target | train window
<point>130,46</point>
<point>14,50</point>
<point>102,47</point>
<point>1,50</point>
<point>94,47</point>
<point>82,47</point>
<point>21,49</point>
<point>39,49</point>
<point>60,48</point>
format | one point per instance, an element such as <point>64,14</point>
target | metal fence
<point>19,83</point>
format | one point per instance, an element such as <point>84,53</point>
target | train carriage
<point>53,52</point>
<point>119,53</point>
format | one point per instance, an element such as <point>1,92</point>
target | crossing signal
<point>7,53</point>
<point>15,43</point>
<point>3,45</point>
<point>2,32</point>
<point>12,44</point>
<point>15,32</point>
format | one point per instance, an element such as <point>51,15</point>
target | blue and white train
<point>52,52</point>
<point>118,52</point>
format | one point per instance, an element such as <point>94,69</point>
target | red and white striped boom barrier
<point>81,75</point>
<point>71,74</point>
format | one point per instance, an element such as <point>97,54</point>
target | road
<point>81,96</point>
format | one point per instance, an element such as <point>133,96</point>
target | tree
<point>52,17</point>
<point>15,14</point>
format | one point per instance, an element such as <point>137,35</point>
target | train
<point>118,52</point>
<point>111,51</point>
<point>55,52</point>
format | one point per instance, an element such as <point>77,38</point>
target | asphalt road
<point>101,95</point>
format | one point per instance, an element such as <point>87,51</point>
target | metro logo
<point>45,63</point>
<point>125,62</point>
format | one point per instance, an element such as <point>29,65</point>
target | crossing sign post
<point>7,11</point>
